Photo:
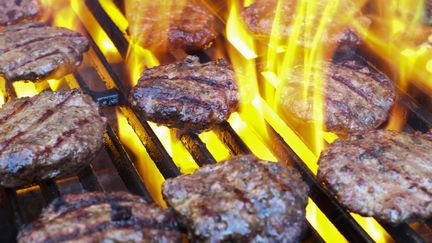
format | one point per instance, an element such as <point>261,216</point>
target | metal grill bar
<point>118,155</point>
<point>402,233</point>
<point>197,149</point>
<point>227,134</point>
<point>345,223</point>
<point>49,190</point>
<point>145,133</point>
<point>88,180</point>
<point>13,212</point>
<point>109,27</point>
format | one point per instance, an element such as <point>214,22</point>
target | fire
<point>310,25</point>
<point>149,173</point>
<point>398,36</point>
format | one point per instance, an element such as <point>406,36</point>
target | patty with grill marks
<point>33,51</point>
<point>383,174</point>
<point>50,135</point>
<point>184,24</point>
<point>259,18</point>
<point>187,94</point>
<point>242,199</point>
<point>99,217</point>
<point>356,97</point>
<point>14,11</point>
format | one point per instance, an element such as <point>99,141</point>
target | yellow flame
<point>311,24</point>
<point>3,91</point>
<point>216,147</point>
<point>115,14</point>
<point>24,89</point>
<point>97,33</point>
<point>251,137</point>
<point>401,39</point>
<point>323,226</point>
<point>237,33</point>
<point>149,173</point>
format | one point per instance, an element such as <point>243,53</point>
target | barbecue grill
<point>126,165</point>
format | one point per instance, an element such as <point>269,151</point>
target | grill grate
<point>12,216</point>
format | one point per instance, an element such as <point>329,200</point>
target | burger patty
<point>98,217</point>
<point>242,199</point>
<point>50,135</point>
<point>33,51</point>
<point>14,11</point>
<point>355,96</point>
<point>259,17</point>
<point>187,94</point>
<point>184,24</point>
<point>384,174</point>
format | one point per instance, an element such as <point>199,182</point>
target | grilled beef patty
<point>98,217</point>
<point>32,51</point>
<point>184,24</point>
<point>187,94</point>
<point>49,135</point>
<point>14,11</point>
<point>242,199</point>
<point>384,174</point>
<point>259,18</point>
<point>355,96</point>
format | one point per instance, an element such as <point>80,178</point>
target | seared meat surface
<point>355,96</point>
<point>187,94</point>
<point>50,135</point>
<point>14,11</point>
<point>32,51</point>
<point>260,15</point>
<point>242,199</point>
<point>384,174</point>
<point>98,217</point>
<point>184,24</point>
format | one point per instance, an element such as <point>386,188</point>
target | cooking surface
<point>138,155</point>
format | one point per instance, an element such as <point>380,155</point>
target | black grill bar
<point>197,149</point>
<point>49,190</point>
<point>88,180</point>
<point>340,218</point>
<point>109,26</point>
<point>153,145</point>
<point>118,154</point>
<point>227,134</point>
<point>125,166</point>
<point>13,211</point>
<point>402,233</point>
<point>140,125</point>
<point>420,112</point>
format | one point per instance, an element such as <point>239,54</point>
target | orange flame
<point>304,46</point>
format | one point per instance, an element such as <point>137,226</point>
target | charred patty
<point>260,15</point>
<point>355,96</point>
<point>184,24</point>
<point>187,94</point>
<point>33,51</point>
<point>384,174</point>
<point>242,199</point>
<point>14,11</point>
<point>49,135</point>
<point>98,217</point>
